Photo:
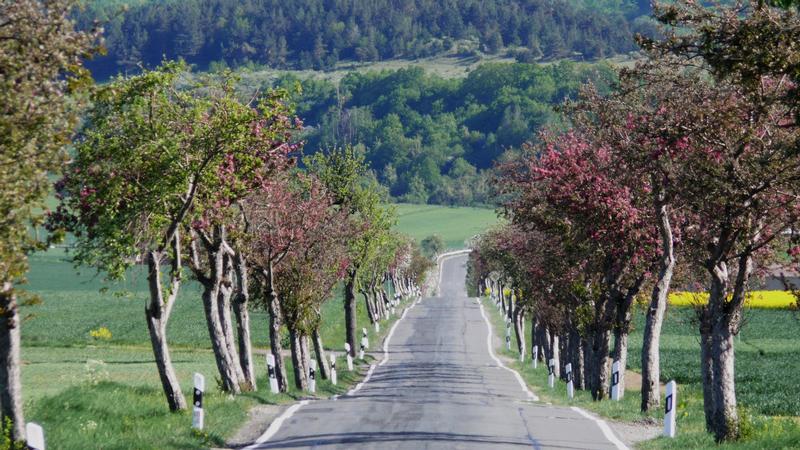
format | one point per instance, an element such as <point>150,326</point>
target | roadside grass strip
<point>769,340</point>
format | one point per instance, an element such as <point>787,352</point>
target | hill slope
<point>319,33</point>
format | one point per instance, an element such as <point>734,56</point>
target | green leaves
<point>156,156</point>
<point>36,117</point>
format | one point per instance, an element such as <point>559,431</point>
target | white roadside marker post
<point>273,379</point>
<point>670,408</point>
<point>312,376</point>
<point>535,358</point>
<point>34,435</point>
<point>333,369</point>
<point>364,343</point>
<point>570,385</point>
<point>349,358</point>
<point>615,381</point>
<point>197,401</point>
<point>508,337</point>
<point>551,369</point>
<point>377,327</point>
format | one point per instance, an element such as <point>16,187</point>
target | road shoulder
<point>629,430</point>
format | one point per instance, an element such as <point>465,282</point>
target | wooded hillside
<point>320,33</point>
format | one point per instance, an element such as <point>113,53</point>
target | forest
<point>430,139</point>
<point>319,33</point>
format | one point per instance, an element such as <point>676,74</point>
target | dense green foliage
<point>319,33</point>
<point>428,138</point>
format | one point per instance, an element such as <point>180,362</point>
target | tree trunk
<point>502,298</point>
<point>534,343</point>
<point>305,355</point>
<point>157,313</point>
<point>275,319</point>
<point>544,339</point>
<point>372,311</point>
<point>554,354</point>
<point>621,354</point>
<point>242,314</point>
<point>10,377</point>
<point>651,364</point>
<point>725,319</point>
<point>322,362</point>
<point>519,328</point>
<point>216,278</point>
<point>510,309</point>
<point>601,372</point>
<point>225,363</point>
<point>226,320</point>
<point>380,303</point>
<point>299,366</point>
<point>726,418</point>
<point>576,356</point>
<point>588,366</point>
<point>350,312</point>
<point>605,312</point>
<point>706,368</point>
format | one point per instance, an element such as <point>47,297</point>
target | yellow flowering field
<point>755,299</point>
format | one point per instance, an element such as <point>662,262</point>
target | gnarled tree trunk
<point>299,362</point>
<point>725,318</point>
<point>242,314</point>
<point>319,350</point>
<point>225,307</point>
<point>157,312</point>
<point>227,366</point>
<point>651,363</point>
<point>275,320</point>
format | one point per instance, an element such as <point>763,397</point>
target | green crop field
<point>456,225</point>
<point>767,359</point>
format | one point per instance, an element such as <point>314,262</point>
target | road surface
<point>439,389</point>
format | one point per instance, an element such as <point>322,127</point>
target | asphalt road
<point>439,388</point>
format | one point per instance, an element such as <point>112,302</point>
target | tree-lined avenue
<point>440,388</point>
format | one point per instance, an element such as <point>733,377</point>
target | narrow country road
<point>440,388</point>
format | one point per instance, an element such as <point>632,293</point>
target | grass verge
<point>760,431</point>
<point>108,396</point>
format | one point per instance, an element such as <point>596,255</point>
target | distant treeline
<point>430,139</point>
<point>319,33</point>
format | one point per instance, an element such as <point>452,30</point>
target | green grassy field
<point>455,225</point>
<point>90,393</point>
<point>767,357</point>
